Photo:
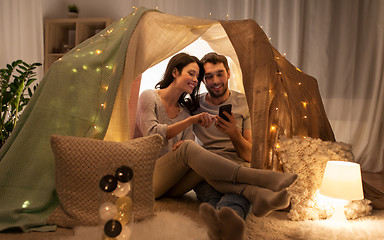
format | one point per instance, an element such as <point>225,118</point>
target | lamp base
<point>338,214</point>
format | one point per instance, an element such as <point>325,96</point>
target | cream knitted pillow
<point>81,162</point>
<point>307,157</point>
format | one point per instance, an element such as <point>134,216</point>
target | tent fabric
<point>282,99</point>
<point>75,98</point>
<point>92,92</point>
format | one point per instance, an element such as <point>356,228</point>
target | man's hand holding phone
<point>225,121</point>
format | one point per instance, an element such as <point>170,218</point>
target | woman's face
<point>186,81</point>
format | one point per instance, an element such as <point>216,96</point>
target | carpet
<point>164,226</point>
<point>178,218</point>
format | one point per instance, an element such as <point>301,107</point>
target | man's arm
<point>242,141</point>
<point>243,144</point>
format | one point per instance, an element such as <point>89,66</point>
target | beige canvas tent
<point>92,92</point>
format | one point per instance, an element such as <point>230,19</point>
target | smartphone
<point>225,108</point>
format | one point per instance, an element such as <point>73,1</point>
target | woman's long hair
<point>179,61</point>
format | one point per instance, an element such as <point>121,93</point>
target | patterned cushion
<point>80,164</point>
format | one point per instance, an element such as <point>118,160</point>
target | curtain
<point>341,44</point>
<point>21,27</point>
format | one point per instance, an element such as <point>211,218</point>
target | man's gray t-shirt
<point>213,139</point>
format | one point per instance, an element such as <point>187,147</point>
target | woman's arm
<point>204,119</point>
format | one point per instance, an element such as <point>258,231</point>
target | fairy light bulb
<point>85,67</point>
<point>304,103</point>
<point>98,51</point>
<point>105,88</point>
<point>74,70</point>
<point>227,16</point>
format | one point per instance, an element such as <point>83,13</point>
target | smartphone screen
<point>225,108</point>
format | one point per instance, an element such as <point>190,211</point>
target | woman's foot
<point>264,200</point>
<point>275,181</point>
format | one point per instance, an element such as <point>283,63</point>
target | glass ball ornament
<point>107,211</point>
<point>124,174</point>
<point>108,183</point>
<point>123,217</point>
<point>124,204</point>
<point>112,228</point>
<point>122,189</point>
<point>125,234</point>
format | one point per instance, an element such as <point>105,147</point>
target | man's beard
<point>218,95</point>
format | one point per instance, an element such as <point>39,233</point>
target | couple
<point>215,170</point>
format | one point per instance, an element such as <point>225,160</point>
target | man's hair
<point>215,58</point>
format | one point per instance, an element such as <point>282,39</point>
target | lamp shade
<point>342,180</point>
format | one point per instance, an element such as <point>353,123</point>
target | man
<point>230,139</point>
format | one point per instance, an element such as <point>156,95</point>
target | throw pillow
<point>307,157</point>
<point>81,162</point>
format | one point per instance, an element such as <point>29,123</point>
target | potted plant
<point>15,93</point>
<point>73,11</point>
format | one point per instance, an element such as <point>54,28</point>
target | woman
<point>166,112</point>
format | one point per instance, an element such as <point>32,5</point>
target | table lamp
<point>342,180</point>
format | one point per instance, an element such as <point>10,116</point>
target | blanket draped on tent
<point>91,92</point>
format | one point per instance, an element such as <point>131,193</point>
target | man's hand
<point>227,127</point>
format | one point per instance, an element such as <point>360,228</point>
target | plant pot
<point>72,15</point>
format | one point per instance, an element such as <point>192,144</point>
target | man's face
<point>216,79</point>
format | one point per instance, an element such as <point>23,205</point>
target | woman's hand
<point>203,119</point>
<point>176,145</point>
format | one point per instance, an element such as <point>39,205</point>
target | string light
<point>105,88</point>
<point>85,67</point>
<point>277,58</point>
<point>269,39</point>
<point>98,51</point>
<point>298,69</point>
<point>305,117</point>
<point>299,83</point>
<point>26,204</point>
<point>227,16</point>
<point>304,103</point>
<point>74,70</point>
<point>273,128</point>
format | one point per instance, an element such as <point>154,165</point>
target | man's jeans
<point>206,193</point>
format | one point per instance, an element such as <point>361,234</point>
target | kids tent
<point>92,92</point>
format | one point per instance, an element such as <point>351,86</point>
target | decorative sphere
<point>108,183</point>
<point>112,228</point>
<point>124,174</point>
<point>125,234</point>
<point>107,211</point>
<point>123,217</point>
<point>122,189</point>
<point>124,204</point>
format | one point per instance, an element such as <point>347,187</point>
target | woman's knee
<point>190,144</point>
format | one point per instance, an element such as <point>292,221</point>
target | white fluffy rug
<point>164,226</point>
